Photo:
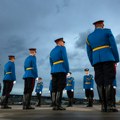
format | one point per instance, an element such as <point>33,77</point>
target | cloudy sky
<point>37,23</point>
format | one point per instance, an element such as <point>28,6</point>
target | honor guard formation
<point>103,56</point>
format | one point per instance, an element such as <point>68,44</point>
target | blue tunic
<point>9,71</point>
<point>39,87</point>
<point>102,37</point>
<point>57,54</point>
<point>70,84</point>
<point>88,81</point>
<point>30,67</point>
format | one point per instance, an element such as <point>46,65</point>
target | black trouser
<point>58,81</point>
<point>7,88</point>
<point>104,73</point>
<point>28,89</point>
<point>39,99</point>
<point>104,77</point>
<point>29,84</point>
<point>70,94</point>
<point>89,94</point>
<point>58,84</point>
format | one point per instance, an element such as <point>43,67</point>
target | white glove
<point>72,90</point>
<point>91,88</point>
<point>40,92</point>
<point>64,91</point>
<point>83,89</point>
<point>14,82</point>
<point>117,64</point>
<point>49,91</point>
<point>114,87</point>
<point>36,79</point>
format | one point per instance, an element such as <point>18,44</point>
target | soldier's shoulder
<point>62,48</point>
<point>6,64</point>
<point>28,57</point>
<point>72,78</point>
<point>10,63</point>
<point>106,29</point>
<point>91,74</point>
<point>84,76</point>
<point>56,47</point>
<point>90,35</point>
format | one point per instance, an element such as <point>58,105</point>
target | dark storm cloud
<point>80,43</point>
<point>72,55</point>
<point>13,44</point>
<point>61,5</point>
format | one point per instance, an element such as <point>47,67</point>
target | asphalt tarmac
<point>78,112</point>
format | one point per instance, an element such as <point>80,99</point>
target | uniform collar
<point>11,61</point>
<point>98,28</point>
<point>32,55</point>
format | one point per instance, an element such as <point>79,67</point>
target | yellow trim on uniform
<point>87,82</point>
<point>57,62</point>
<point>87,42</point>
<point>8,72</point>
<point>69,84</point>
<point>69,80</point>
<point>101,47</point>
<point>30,68</point>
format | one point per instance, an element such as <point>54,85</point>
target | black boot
<point>51,105</point>
<point>7,107</point>
<point>90,102</point>
<point>54,101</point>
<point>29,104</point>
<point>25,101</point>
<point>58,101</point>
<point>109,101</point>
<point>113,107</point>
<point>39,100</point>
<point>3,100</point>
<point>108,97</point>
<point>70,103</point>
<point>4,103</point>
<point>101,93</point>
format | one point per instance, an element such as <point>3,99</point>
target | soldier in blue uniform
<point>88,84</point>
<point>70,88</point>
<point>29,77</point>
<point>103,54</point>
<point>59,69</point>
<point>8,81</point>
<point>38,90</point>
